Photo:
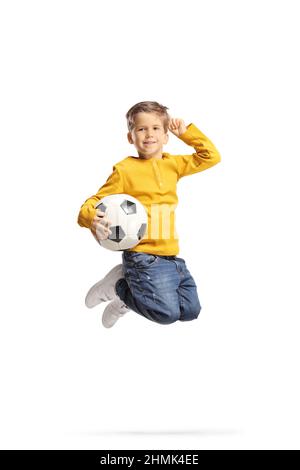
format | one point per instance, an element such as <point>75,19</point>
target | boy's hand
<point>177,126</point>
<point>100,226</point>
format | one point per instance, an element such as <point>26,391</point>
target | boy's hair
<point>148,107</point>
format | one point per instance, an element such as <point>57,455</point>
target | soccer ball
<point>129,221</point>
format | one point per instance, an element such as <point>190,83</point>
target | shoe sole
<point>109,325</point>
<point>114,312</point>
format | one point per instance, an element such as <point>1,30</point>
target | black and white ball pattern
<point>129,221</point>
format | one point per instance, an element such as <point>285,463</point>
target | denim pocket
<point>140,260</point>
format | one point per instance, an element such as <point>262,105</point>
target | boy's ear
<point>166,139</point>
<point>129,138</point>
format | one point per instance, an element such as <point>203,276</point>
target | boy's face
<point>148,135</point>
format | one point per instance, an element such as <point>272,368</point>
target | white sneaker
<point>104,290</point>
<point>113,311</point>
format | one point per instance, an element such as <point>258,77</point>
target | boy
<point>151,280</point>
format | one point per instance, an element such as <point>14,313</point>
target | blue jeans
<point>157,287</point>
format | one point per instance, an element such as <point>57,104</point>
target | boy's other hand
<point>100,226</point>
<point>177,126</point>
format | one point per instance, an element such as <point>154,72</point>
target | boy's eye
<point>141,128</point>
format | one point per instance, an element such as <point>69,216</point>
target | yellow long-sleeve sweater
<point>153,182</point>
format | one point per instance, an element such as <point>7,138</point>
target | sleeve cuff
<point>189,127</point>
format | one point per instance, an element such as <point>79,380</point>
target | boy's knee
<point>172,318</point>
<point>193,312</point>
<point>196,311</point>
<point>166,318</point>
<point>163,311</point>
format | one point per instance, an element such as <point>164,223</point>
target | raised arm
<point>206,154</point>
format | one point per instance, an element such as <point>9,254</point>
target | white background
<point>70,70</point>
